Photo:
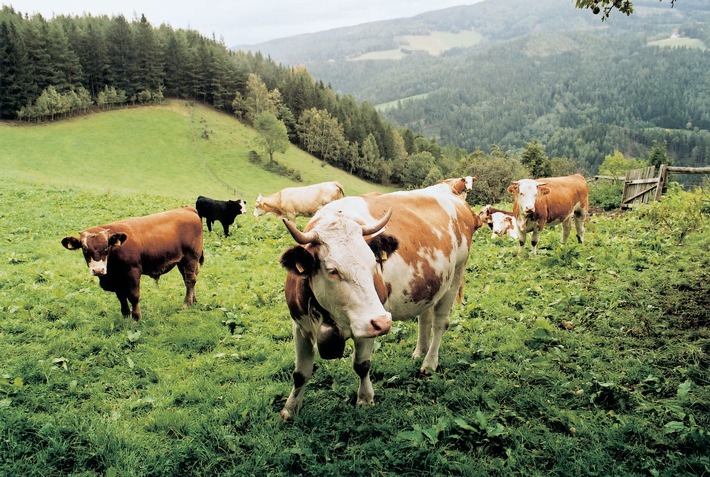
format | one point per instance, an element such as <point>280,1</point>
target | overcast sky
<point>242,22</point>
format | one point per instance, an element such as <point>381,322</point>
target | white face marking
<point>527,193</point>
<point>469,183</point>
<point>97,268</point>
<point>344,284</point>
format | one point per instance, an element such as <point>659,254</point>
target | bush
<point>606,194</point>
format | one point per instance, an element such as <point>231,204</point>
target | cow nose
<point>381,325</point>
<point>98,271</point>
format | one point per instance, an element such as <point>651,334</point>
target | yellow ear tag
<point>299,267</point>
<point>383,255</point>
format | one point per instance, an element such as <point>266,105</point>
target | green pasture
<point>178,149</point>
<point>584,360</point>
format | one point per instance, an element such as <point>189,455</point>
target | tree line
<point>53,68</point>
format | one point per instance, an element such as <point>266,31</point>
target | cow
<point>120,252</point>
<point>501,222</point>
<point>364,261</point>
<point>293,201</point>
<point>548,201</point>
<point>460,186</point>
<point>225,211</point>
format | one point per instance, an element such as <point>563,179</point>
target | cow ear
<point>513,188</point>
<point>298,260</point>
<point>117,239</point>
<point>542,190</point>
<point>71,243</point>
<point>383,246</point>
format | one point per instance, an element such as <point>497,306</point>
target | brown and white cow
<point>548,201</point>
<point>120,252</point>
<point>501,222</point>
<point>460,186</point>
<point>293,201</point>
<point>364,261</point>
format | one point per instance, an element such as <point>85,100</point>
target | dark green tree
<point>658,154</point>
<point>535,159</point>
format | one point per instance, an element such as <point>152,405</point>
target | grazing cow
<point>549,200</point>
<point>501,222</point>
<point>120,252</point>
<point>460,186</point>
<point>223,210</point>
<point>364,261</point>
<point>293,201</point>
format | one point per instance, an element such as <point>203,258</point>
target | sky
<point>242,22</point>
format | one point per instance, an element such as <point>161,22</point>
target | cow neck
<point>314,308</point>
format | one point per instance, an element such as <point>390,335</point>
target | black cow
<point>223,210</point>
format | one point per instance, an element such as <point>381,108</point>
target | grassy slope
<point>622,389</point>
<point>158,150</point>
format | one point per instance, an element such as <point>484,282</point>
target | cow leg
<point>521,240</point>
<point>226,230</point>
<point>125,309</point>
<point>302,372</point>
<point>579,216</point>
<point>441,323</point>
<point>361,365</point>
<point>189,270</point>
<point>533,241</point>
<point>426,319</point>
<point>209,224</point>
<point>566,227</point>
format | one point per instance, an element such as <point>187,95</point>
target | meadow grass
<point>177,149</point>
<point>589,360</point>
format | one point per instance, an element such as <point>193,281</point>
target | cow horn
<point>376,227</point>
<point>302,238</point>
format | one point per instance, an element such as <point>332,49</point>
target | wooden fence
<point>642,185</point>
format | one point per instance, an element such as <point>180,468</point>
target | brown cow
<point>120,252</point>
<point>293,201</point>
<point>548,201</point>
<point>365,261</point>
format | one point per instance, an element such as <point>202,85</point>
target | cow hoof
<point>364,403</point>
<point>286,415</point>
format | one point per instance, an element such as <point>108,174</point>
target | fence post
<point>662,181</point>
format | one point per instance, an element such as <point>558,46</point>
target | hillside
<point>177,149</point>
<point>512,73</point>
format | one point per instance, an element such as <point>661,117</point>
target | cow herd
<point>359,264</point>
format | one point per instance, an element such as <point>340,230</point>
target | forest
<point>50,69</point>
<point>581,87</point>
<point>575,108</point>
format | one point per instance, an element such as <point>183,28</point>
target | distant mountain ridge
<point>539,70</point>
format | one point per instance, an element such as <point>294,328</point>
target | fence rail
<point>642,186</point>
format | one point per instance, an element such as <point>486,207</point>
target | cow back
<point>159,240</point>
<point>434,231</point>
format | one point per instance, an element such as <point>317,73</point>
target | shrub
<point>606,194</point>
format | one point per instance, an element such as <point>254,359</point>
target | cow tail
<point>202,258</point>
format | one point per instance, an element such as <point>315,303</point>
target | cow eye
<point>333,273</point>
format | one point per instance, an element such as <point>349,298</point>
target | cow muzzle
<point>97,269</point>
<point>381,325</point>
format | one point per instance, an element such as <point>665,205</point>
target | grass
<point>588,360</point>
<point>434,43</point>
<point>174,150</point>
